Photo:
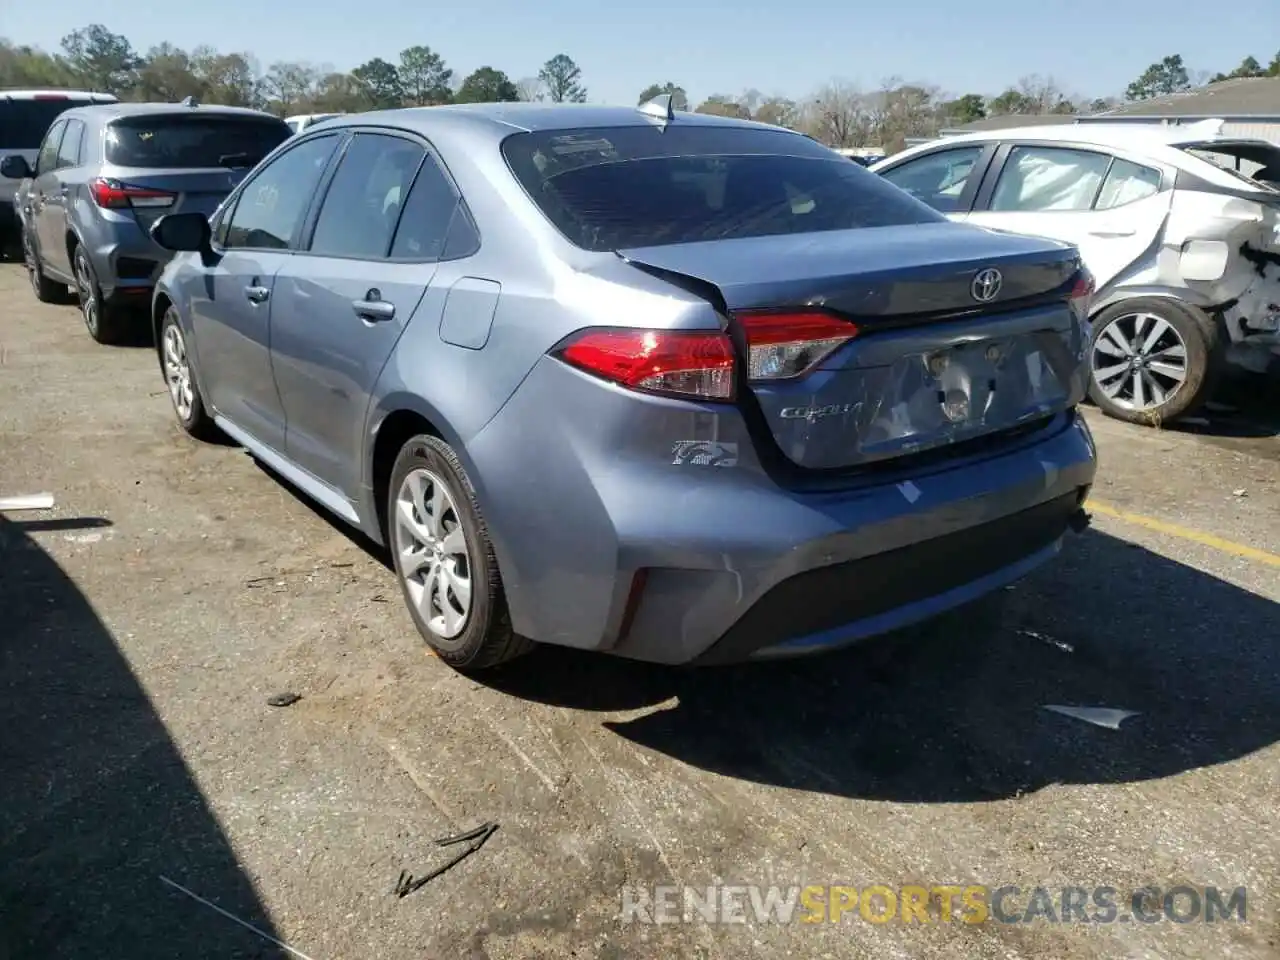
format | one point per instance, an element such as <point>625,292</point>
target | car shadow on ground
<point>954,711</point>
<point>96,803</point>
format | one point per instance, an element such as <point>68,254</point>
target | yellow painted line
<point>1185,533</point>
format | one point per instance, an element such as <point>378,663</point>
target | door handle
<point>65,191</point>
<point>257,294</point>
<point>373,308</point>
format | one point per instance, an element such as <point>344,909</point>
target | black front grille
<point>845,593</point>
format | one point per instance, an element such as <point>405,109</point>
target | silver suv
<point>104,174</point>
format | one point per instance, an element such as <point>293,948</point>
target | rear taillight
<point>114,195</point>
<point>786,344</point>
<point>1082,291</point>
<point>683,363</point>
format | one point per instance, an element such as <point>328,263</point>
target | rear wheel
<point>46,290</point>
<point>105,322</point>
<point>1153,360</point>
<point>445,561</point>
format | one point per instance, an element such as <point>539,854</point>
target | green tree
<point>561,78</point>
<point>966,109</point>
<point>227,78</point>
<point>1009,103</point>
<point>382,82</point>
<point>487,85</point>
<point>1273,68</point>
<point>101,60</point>
<point>167,76</point>
<point>290,88</point>
<point>1160,79</point>
<point>720,105</point>
<point>778,111</point>
<point>29,67</point>
<point>424,77</point>
<point>679,99</point>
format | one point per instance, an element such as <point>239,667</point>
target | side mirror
<point>183,232</point>
<point>15,167</point>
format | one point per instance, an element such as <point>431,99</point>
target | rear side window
<point>1127,183</point>
<point>428,212</point>
<point>619,187</point>
<point>185,141</point>
<point>23,123</point>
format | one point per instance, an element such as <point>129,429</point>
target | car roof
<point>504,118</point>
<point>1157,142</point>
<point>54,94</point>
<point>118,111</point>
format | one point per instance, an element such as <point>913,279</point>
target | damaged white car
<point>1179,225</point>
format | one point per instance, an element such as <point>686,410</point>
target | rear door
<point>186,161</point>
<point>59,197</point>
<point>231,315</point>
<point>1112,208</point>
<point>343,302</point>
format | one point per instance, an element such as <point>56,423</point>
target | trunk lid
<point>931,363</point>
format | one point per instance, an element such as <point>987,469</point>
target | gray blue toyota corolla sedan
<point>675,387</point>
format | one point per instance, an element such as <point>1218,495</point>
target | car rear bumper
<point>610,537</point>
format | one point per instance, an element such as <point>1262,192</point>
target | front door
<point>48,217</point>
<point>232,316</point>
<point>345,301</point>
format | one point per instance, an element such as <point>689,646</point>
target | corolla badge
<point>814,414</point>
<point>986,285</point>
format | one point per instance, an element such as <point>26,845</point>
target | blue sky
<point>1093,47</point>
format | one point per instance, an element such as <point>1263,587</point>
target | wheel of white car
<point>1153,360</point>
<point>444,559</point>
<point>180,379</point>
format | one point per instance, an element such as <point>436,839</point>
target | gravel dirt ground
<point>152,803</point>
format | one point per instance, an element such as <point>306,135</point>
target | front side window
<point>191,141</point>
<point>619,187</point>
<point>365,197</point>
<point>1049,179</point>
<point>270,208</point>
<point>938,179</point>
<point>47,159</point>
<point>69,151</point>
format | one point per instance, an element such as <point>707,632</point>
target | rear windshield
<point>23,123</point>
<point>185,141</point>
<point>619,187</point>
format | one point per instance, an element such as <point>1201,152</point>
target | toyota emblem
<point>986,285</point>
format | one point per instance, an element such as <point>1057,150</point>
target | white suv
<point>25,117</point>
<point>1180,227</point>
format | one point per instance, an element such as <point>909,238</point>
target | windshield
<point>621,187</point>
<point>23,123</point>
<point>169,140</point>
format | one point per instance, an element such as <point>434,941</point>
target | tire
<point>46,290</point>
<point>106,323</point>
<point>426,467</point>
<point>1131,324</point>
<point>180,379</point>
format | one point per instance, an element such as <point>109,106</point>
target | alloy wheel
<point>87,290</point>
<point>177,372</point>
<point>435,562</point>
<point>1139,360</point>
